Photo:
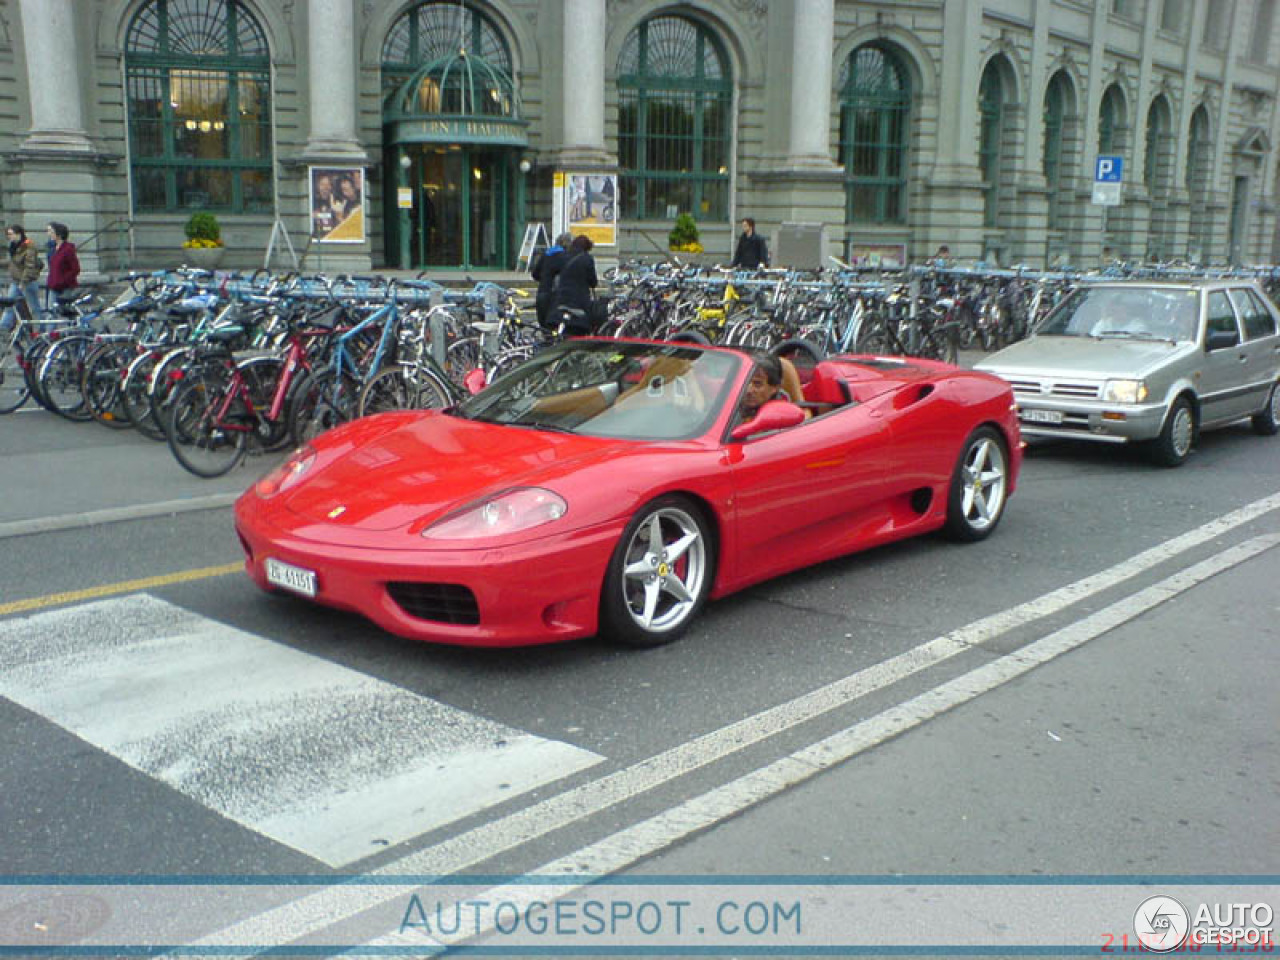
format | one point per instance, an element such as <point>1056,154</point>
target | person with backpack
<point>576,288</point>
<point>545,269</point>
<point>64,265</point>
<point>25,267</point>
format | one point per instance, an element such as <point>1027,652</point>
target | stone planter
<point>203,258</point>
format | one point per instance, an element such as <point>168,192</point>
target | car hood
<point>1086,358</point>
<point>430,465</point>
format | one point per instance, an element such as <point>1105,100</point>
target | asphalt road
<point>924,708</point>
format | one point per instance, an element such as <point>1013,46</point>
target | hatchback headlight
<point>1124,391</point>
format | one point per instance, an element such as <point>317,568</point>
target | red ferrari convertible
<point>613,487</point>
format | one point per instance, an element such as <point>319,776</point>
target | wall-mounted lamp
<point>406,161</point>
<point>525,165</point>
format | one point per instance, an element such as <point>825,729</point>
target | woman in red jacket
<point>64,265</point>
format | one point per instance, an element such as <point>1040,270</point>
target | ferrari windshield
<point>612,389</point>
<point>1128,312</point>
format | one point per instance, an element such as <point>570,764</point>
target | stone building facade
<point>902,123</point>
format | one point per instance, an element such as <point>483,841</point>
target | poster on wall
<point>337,204</point>
<point>585,203</point>
<point>878,256</point>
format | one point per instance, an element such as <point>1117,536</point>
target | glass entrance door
<point>462,203</point>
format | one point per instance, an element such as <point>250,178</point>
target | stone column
<point>53,77</point>
<point>583,87</point>
<point>812,40</point>
<point>331,79</point>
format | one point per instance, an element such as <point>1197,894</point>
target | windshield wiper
<point>542,425</point>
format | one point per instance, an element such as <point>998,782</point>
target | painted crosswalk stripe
<point>324,759</point>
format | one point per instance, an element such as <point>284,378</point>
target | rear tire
<point>1267,422</point>
<point>979,487</point>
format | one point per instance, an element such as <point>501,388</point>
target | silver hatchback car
<point>1152,362</point>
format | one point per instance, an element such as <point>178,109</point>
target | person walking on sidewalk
<point>64,265</point>
<point>24,274</point>
<point>752,252</point>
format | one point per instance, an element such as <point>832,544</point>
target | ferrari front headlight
<point>287,474</point>
<point>1124,391</point>
<point>508,512</point>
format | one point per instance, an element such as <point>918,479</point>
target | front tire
<point>1267,422</point>
<point>979,487</point>
<point>1173,446</point>
<point>659,576</point>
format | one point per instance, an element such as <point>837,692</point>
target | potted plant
<point>203,248</point>
<point>684,236</point>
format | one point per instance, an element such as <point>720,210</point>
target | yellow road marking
<point>124,586</point>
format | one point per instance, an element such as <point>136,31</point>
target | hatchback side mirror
<point>475,381</point>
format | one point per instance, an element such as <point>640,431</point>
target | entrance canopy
<point>456,99</point>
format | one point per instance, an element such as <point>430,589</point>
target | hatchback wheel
<point>1173,446</point>
<point>1267,423</point>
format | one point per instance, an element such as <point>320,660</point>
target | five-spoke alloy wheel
<point>660,574</point>
<point>979,487</point>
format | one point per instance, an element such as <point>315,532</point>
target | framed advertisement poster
<point>587,204</point>
<point>337,204</point>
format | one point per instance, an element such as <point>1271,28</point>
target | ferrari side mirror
<point>774,415</point>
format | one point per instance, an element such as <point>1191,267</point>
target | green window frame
<point>875,113</point>
<point>1198,152</point>
<point>430,32</point>
<point>675,111</point>
<point>1157,130</point>
<point>1108,121</point>
<point>198,95</point>
<point>991,133</point>
<point>1055,110</point>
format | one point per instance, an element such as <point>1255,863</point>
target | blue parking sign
<point>1109,169</point>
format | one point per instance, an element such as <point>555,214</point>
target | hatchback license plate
<point>290,577</point>
<point>1041,416</point>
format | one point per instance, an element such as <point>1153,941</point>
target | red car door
<point>805,494</point>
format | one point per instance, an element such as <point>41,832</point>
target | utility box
<point>801,246</point>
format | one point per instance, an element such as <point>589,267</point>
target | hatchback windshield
<point>611,389</point>
<point>1131,312</point>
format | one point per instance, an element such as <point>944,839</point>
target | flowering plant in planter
<point>684,237</point>
<point>203,232</point>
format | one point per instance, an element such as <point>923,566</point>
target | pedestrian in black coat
<point>577,281</point>
<point>545,269</point>
<point>752,252</point>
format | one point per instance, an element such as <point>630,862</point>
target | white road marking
<point>321,909</point>
<point>324,759</point>
<point>625,847</point>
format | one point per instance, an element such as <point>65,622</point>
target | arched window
<point>1155,161</point>
<point>1055,112</point>
<point>875,108</point>
<point>1110,120</point>
<point>675,101</point>
<point>1199,148</point>
<point>198,80</point>
<point>434,31</point>
<point>991,133</point>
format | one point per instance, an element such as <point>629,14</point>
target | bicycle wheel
<point>204,443</point>
<point>61,372</point>
<point>13,382</point>
<point>323,402</point>
<point>401,388</point>
<point>134,396</point>
<point>262,375</point>
<point>32,357</point>
<point>463,356</point>
<point>101,383</point>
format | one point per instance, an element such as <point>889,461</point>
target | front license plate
<point>290,577</point>
<point>1041,416</point>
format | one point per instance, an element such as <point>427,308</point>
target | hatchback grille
<point>1076,391</point>
<point>441,602</point>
